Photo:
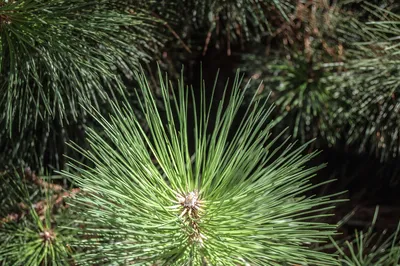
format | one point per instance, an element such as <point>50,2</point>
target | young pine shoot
<point>190,188</point>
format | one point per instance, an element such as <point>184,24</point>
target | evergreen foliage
<point>370,248</point>
<point>231,23</point>
<point>297,76</point>
<point>56,54</point>
<point>338,80</point>
<point>34,225</point>
<point>243,18</point>
<point>371,79</point>
<point>169,174</point>
<point>234,200</point>
<point>306,102</point>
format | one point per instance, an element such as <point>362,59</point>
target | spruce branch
<point>211,193</point>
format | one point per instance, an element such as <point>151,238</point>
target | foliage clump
<point>229,199</point>
<point>34,221</point>
<point>56,55</point>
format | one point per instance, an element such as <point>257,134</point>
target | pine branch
<point>300,88</point>
<point>295,77</point>
<point>370,248</point>
<point>236,21</point>
<point>40,207</point>
<point>230,199</point>
<point>58,194</point>
<point>56,55</point>
<point>371,81</point>
<point>29,175</point>
<point>39,234</point>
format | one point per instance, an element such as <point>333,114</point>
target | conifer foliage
<point>152,171</point>
<point>370,248</point>
<point>372,81</point>
<point>36,226</point>
<point>56,54</point>
<point>232,201</point>
<point>238,20</point>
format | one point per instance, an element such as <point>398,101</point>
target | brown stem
<point>40,206</point>
<point>29,175</point>
<point>173,33</point>
<point>208,38</point>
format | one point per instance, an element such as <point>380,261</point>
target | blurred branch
<point>58,195</point>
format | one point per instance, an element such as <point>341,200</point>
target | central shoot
<point>192,179</point>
